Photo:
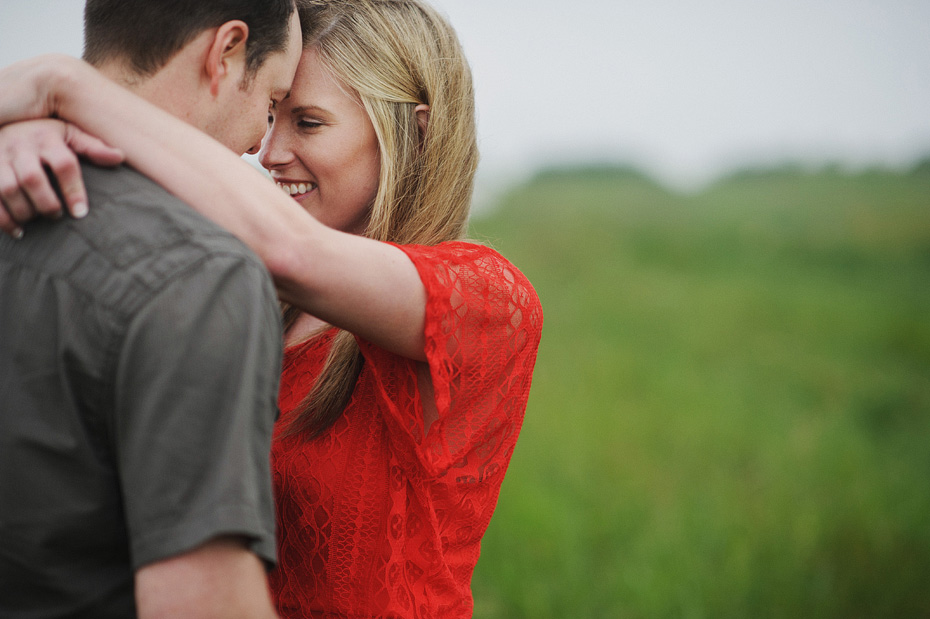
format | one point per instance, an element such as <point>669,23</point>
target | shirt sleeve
<point>195,396</point>
<point>483,327</point>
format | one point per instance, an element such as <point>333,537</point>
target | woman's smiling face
<point>322,149</point>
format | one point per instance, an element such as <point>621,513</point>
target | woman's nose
<point>272,149</point>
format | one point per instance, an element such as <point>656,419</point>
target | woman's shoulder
<point>469,274</point>
<point>463,257</point>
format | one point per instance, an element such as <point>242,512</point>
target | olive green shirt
<point>140,351</point>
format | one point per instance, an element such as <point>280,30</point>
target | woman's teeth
<point>293,189</point>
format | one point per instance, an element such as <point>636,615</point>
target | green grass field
<point>730,414</point>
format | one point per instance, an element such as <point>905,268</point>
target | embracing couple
<point>162,301</point>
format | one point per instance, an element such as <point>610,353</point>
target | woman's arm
<point>369,288</point>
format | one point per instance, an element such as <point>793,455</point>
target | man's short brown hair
<point>148,33</point>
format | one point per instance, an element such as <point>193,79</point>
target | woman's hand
<point>30,152</point>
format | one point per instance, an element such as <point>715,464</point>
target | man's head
<point>215,63</point>
<point>145,34</point>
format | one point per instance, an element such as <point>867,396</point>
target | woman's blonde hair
<point>395,54</point>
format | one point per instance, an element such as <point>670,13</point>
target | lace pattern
<point>380,517</point>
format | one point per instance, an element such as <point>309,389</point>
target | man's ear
<point>422,112</point>
<point>226,53</point>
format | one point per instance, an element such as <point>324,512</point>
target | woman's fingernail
<point>18,233</point>
<point>79,210</point>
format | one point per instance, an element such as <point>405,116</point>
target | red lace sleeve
<point>483,325</point>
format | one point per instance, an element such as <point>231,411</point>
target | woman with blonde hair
<point>409,350</point>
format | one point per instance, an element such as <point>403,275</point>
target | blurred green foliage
<point>730,414</point>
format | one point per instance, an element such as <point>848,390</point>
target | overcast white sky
<point>683,88</point>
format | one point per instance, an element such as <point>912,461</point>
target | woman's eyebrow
<point>303,109</point>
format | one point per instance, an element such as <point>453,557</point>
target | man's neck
<point>122,74</point>
<point>158,88</point>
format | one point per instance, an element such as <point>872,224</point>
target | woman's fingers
<point>91,148</point>
<point>25,189</point>
<point>15,207</point>
<point>34,155</point>
<point>37,195</point>
<point>64,165</point>
<point>7,224</point>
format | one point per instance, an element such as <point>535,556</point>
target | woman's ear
<point>226,51</point>
<point>422,112</point>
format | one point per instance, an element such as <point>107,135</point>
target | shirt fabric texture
<point>139,357</point>
<point>378,517</point>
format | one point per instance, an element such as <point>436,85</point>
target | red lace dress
<point>374,518</point>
